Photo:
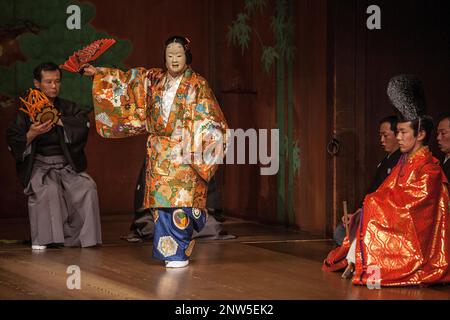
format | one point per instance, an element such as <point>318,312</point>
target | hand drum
<point>39,108</point>
<point>47,113</point>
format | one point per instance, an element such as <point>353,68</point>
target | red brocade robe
<point>404,233</point>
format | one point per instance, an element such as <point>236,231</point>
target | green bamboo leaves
<point>239,32</point>
<point>268,57</point>
<point>252,5</point>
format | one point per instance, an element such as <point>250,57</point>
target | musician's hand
<point>37,129</point>
<point>89,70</point>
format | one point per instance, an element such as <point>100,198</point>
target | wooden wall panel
<point>248,95</point>
<point>414,38</point>
<point>346,110</point>
<point>312,116</point>
<point>337,59</point>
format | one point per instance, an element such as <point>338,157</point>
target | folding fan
<point>87,54</point>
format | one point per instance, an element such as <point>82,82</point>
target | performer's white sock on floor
<point>38,247</point>
<point>177,264</point>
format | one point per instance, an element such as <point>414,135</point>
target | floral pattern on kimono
<point>130,103</point>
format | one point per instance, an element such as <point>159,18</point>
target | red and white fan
<point>87,54</point>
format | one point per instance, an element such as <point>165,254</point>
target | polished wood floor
<point>262,263</point>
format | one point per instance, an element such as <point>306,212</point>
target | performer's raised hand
<point>89,70</point>
<point>37,129</point>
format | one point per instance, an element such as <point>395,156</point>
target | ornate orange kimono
<point>404,233</point>
<point>130,103</point>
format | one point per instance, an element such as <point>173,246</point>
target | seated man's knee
<point>91,185</point>
<point>87,186</point>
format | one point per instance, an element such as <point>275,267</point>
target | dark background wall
<point>341,71</point>
<point>414,38</point>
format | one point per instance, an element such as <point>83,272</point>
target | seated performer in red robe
<point>403,237</point>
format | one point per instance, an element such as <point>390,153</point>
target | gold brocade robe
<point>404,232</point>
<point>405,225</point>
<point>130,103</point>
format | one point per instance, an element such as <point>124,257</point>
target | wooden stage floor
<point>264,262</point>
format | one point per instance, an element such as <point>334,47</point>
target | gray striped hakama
<point>62,204</point>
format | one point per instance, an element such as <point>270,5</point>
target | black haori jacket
<point>446,168</point>
<point>76,128</point>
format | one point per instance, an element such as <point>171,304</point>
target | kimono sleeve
<point>76,125</point>
<point>16,135</point>
<point>209,133</point>
<point>120,102</point>
<point>421,197</point>
<point>426,185</point>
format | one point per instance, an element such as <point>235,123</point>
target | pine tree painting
<point>35,31</point>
